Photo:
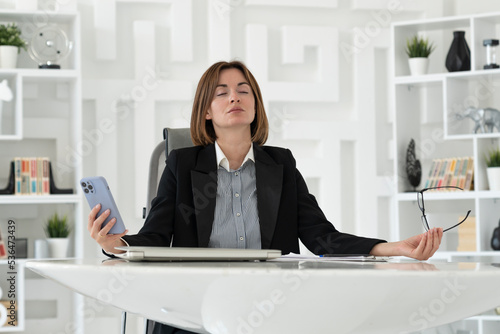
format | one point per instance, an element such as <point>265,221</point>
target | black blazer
<point>182,214</point>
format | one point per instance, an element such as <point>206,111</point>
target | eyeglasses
<point>420,201</point>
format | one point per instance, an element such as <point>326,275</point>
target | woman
<point>231,191</point>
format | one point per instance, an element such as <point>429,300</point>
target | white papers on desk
<point>352,258</point>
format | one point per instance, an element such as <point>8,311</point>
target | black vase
<point>495,239</point>
<point>458,58</point>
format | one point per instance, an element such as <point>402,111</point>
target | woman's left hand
<point>420,247</point>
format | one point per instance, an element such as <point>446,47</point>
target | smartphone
<point>97,191</point>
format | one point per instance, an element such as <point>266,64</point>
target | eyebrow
<point>241,83</point>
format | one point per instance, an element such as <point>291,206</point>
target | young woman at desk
<point>231,191</point>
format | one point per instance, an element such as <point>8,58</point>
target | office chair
<point>173,139</point>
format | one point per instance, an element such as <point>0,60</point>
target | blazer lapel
<point>204,187</point>
<point>269,185</point>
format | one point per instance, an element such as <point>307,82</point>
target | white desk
<point>286,297</point>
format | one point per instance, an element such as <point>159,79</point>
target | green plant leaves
<point>10,34</point>
<point>57,227</point>
<point>418,47</point>
<point>493,159</point>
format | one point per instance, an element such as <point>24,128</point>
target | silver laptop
<point>141,253</point>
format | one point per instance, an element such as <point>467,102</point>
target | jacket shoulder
<point>279,154</point>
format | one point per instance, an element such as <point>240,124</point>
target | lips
<point>235,109</point>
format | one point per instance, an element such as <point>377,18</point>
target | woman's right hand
<point>108,242</point>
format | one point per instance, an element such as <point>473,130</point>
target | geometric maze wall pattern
<point>147,56</point>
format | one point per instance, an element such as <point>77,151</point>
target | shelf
<point>436,77</point>
<point>486,317</point>
<point>435,24</point>
<point>18,261</point>
<point>493,135</point>
<point>11,137</point>
<point>447,195</point>
<point>49,199</point>
<point>427,109</point>
<point>54,16</point>
<point>46,74</point>
<point>44,119</point>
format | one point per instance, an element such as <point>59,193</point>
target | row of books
<point>456,172</point>
<point>31,176</point>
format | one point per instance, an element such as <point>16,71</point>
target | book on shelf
<point>31,176</point>
<point>467,235</point>
<point>454,172</point>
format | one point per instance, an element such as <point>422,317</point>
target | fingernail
<point>107,211</point>
<point>97,205</point>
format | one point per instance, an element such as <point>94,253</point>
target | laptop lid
<point>145,253</point>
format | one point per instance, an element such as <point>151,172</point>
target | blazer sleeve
<point>158,227</point>
<point>318,234</point>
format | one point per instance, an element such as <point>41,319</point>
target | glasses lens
<point>420,201</point>
<point>424,223</point>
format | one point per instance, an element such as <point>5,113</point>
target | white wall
<point>322,65</point>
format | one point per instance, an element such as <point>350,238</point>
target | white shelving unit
<point>44,119</point>
<point>424,109</point>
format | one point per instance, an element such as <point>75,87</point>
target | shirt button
<point>236,195</point>
<point>238,214</point>
<point>236,173</point>
<point>241,238</point>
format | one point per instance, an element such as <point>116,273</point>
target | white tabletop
<point>292,296</point>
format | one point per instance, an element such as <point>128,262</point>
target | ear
<point>209,114</point>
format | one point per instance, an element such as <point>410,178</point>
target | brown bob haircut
<point>202,130</point>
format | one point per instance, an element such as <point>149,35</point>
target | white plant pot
<point>493,178</point>
<point>58,247</point>
<point>8,56</point>
<point>418,65</point>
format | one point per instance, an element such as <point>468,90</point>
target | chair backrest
<point>173,139</point>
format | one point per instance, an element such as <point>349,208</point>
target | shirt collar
<point>222,160</point>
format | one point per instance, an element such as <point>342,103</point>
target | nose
<point>234,97</point>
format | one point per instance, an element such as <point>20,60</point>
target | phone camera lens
<point>84,184</point>
<point>86,190</point>
<point>90,187</point>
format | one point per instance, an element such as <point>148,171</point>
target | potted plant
<point>493,170</point>
<point>11,44</point>
<point>418,49</point>
<point>57,230</point>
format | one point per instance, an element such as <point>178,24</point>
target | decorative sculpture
<point>495,239</point>
<point>413,166</point>
<point>485,120</point>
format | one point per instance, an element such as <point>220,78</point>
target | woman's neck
<point>235,148</point>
